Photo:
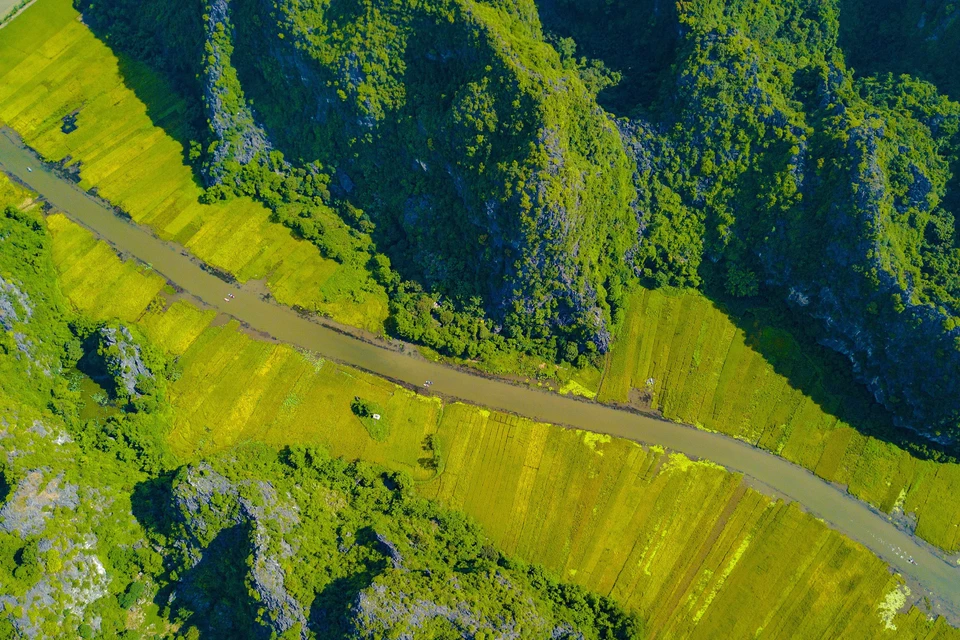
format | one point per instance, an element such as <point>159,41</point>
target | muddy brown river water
<point>909,556</point>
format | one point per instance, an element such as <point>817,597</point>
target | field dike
<point>54,71</point>
<point>688,544</point>
<point>679,354</point>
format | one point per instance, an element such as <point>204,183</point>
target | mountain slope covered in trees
<point>105,533</point>
<point>507,169</point>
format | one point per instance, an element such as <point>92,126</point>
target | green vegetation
<point>105,533</point>
<point>515,213</point>
<point>69,545</point>
<point>445,173</point>
<point>685,544</point>
<point>766,167</point>
<point>126,144</point>
<point>373,418</point>
<point>373,558</point>
<point>911,37</point>
<point>682,355</point>
<point>497,148</point>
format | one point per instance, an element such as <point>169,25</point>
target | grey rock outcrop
<point>16,310</point>
<point>381,608</point>
<point>15,305</point>
<point>31,504</point>
<point>239,137</point>
<point>208,503</point>
<point>123,358</point>
<point>81,581</point>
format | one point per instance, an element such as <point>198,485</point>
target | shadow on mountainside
<point>790,344</point>
<point>171,99</point>
<point>177,112</point>
<point>649,26</point>
<point>916,37</point>
<point>4,486</point>
<point>332,609</point>
<point>213,596</point>
<point>636,38</point>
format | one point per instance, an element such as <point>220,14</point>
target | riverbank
<point>907,555</point>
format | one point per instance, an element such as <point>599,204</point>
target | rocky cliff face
<point>123,359</point>
<point>826,188</point>
<point>387,605</point>
<point>872,308</point>
<point>238,139</point>
<point>16,310</point>
<point>245,520</point>
<point>62,559</point>
<point>504,180</point>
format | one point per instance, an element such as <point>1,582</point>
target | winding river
<point>911,558</point>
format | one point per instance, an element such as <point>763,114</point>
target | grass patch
<point>702,369</point>
<point>373,417</point>
<point>577,389</point>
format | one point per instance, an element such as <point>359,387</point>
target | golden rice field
<point>687,544</point>
<point>705,373</point>
<point>51,65</point>
<point>91,271</point>
<point>12,194</point>
<point>235,388</point>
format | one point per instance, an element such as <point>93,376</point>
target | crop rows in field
<point>235,388</point>
<point>51,66</point>
<point>704,372</point>
<point>94,276</point>
<point>686,543</point>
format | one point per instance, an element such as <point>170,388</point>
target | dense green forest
<point>507,170</point>
<point>104,533</point>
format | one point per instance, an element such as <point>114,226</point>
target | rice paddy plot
<point>235,388</point>
<point>52,66</point>
<point>12,194</point>
<point>94,279</point>
<point>680,354</point>
<point>687,544</point>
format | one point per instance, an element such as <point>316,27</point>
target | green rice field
<point>686,358</point>
<point>51,66</point>
<point>685,543</point>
